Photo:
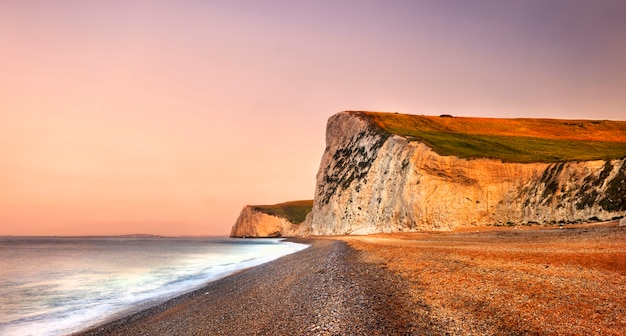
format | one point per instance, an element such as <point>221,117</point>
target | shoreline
<point>145,309</point>
<point>326,288</point>
<point>505,281</point>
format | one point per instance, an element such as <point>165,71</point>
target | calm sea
<point>55,286</point>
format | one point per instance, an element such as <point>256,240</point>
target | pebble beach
<point>326,289</point>
<point>505,281</point>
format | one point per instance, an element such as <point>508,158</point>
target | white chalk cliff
<point>275,220</point>
<point>255,223</point>
<point>371,181</point>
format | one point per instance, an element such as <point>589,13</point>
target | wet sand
<point>506,281</point>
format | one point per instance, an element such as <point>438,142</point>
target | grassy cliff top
<point>521,140</point>
<point>294,212</point>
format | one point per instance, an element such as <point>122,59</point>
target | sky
<point>167,117</point>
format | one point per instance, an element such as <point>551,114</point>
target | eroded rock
<point>371,181</point>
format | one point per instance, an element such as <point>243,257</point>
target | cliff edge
<point>387,172</point>
<point>277,220</point>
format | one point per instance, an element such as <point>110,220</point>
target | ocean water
<point>56,286</point>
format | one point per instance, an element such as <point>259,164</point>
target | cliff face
<point>373,181</point>
<point>277,220</point>
<point>254,223</point>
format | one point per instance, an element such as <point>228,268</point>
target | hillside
<point>522,140</point>
<point>294,211</point>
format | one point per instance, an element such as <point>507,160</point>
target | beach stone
<point>310,292</point>
<point>622,222</point>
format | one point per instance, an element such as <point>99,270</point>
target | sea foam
<point>56,286</point>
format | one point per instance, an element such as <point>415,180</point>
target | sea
<point>61,285</point>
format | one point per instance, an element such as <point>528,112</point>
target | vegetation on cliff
<point>294,211</point>
<point>521,140</point>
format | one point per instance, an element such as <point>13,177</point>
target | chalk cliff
<point>277,220</point>
<point>373,180</point>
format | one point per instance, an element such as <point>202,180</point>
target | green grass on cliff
<point>510,140</point>
<point>294,212</point>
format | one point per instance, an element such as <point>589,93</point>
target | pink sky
<point>167,117</point>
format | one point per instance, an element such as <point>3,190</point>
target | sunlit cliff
<point>386,172</point>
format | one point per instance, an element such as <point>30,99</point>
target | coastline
<point>495,281</point>
<point>326,288</point>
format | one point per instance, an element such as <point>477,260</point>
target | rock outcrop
<point>371,180</point>
<point>278,220</point>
